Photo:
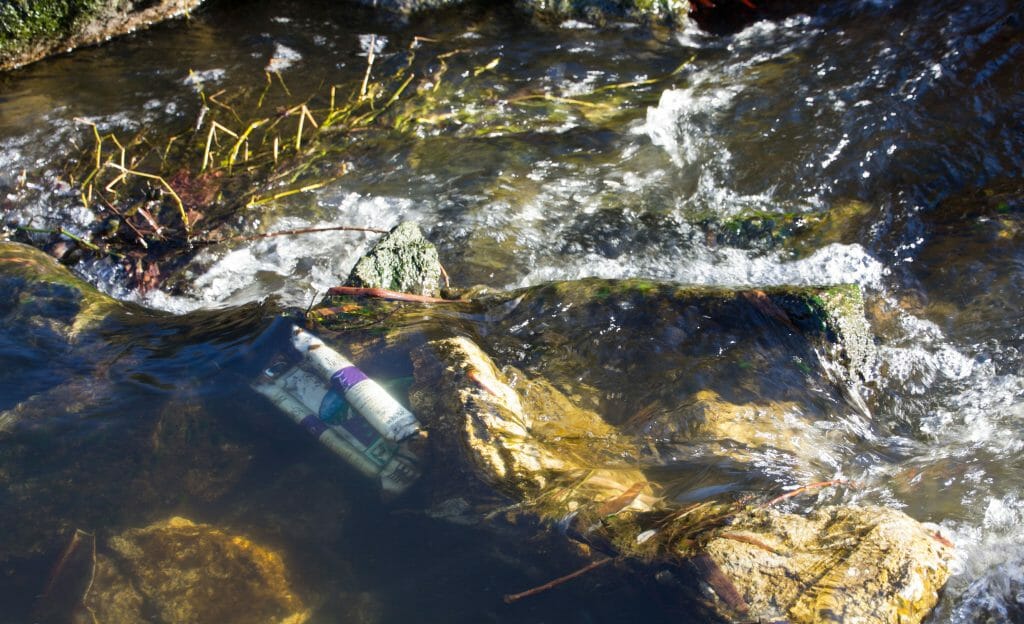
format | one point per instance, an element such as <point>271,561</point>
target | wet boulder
<point>837,564</point>
<point>403,260</point>
<point>44,302</point>
<point>179,571</point>
<point>636,350</point>
<point>571,468</point>
<point>31,30</point>
<point>105,417</point>
<point>525,441</point>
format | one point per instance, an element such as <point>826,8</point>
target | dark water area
<point>874,142</point>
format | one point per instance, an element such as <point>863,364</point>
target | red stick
<point>381,293</point>
<point>801,490</point>
<point>510,598</point>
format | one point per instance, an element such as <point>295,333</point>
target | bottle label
<point>338,414</point>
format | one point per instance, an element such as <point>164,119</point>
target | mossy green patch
<point>24,23</point>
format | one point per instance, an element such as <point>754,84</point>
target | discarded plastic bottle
<point>387,415</point>
<point>347,411</point>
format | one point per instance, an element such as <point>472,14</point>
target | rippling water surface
<point>901,124</point>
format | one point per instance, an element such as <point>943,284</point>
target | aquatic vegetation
<point>158,199</point>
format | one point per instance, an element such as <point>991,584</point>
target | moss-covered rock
<point>838,564</point>
<point>673,11</point>
<point>179,571</point>
<point>45,299</point>
<point>526,441</point>
<point>33,29</point>
<point>403,261</point>
<point>566,465</point>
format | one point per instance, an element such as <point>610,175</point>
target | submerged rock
<point>565,464</point>
<point>403,261</point>
<point>595,10</point>
<point>674,11</point>
<point>179,571</point>
<point>838,564</point>
<point>33,29</point>
<point>523,441</point>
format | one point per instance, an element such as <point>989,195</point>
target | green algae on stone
<point>180,571</point>
<point>33,29</point>
<point>874,562</point>
<point>403,261</point>
<point>41,293</point>
<point>802,233</point>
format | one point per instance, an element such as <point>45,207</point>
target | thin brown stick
<point>334,228</point>
<point>382,293</point>
<point>746,539</point>
<point>444,274</point>
<point>801,490</point>
<point>120,215</point>
<point>510,598</point>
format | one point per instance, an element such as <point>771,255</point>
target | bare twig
<point>510,598</point>
<point>382,293</point>
<point>312,230</point>
<point>370,55</point>
<point>444,274</point>
<point>170,189</point>
<point>801,490</point>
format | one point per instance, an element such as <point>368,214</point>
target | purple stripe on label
<point>348,377</point>
<point>313,425</point>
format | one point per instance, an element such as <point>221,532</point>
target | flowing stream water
<point>901,122</point>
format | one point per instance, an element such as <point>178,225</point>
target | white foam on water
<point>725,267</point>
<point>988,571</point>
<point>685,121</point>
<point>282,58</point>
<point>294,268</point>
<point>198,79</point>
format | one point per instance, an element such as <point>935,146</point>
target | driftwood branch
<point>382,293</point>
<point>510,598</point>
<point>310,230</point>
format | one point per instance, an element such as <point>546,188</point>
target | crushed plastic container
<point>348,412</point>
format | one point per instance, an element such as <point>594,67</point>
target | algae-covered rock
<point>525,441</point>
<point>33,29</point>
<point>839,564</point>
<point>646,343</point>
<point>674,11</point>
<point>179,571</point>
<point>104,418</point>
<point>44,299</point>
<point>402,260</point>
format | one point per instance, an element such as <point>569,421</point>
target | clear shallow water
<point>912,109</point>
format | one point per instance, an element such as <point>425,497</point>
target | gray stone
<point>33,29</point>
<point>402,261</point>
